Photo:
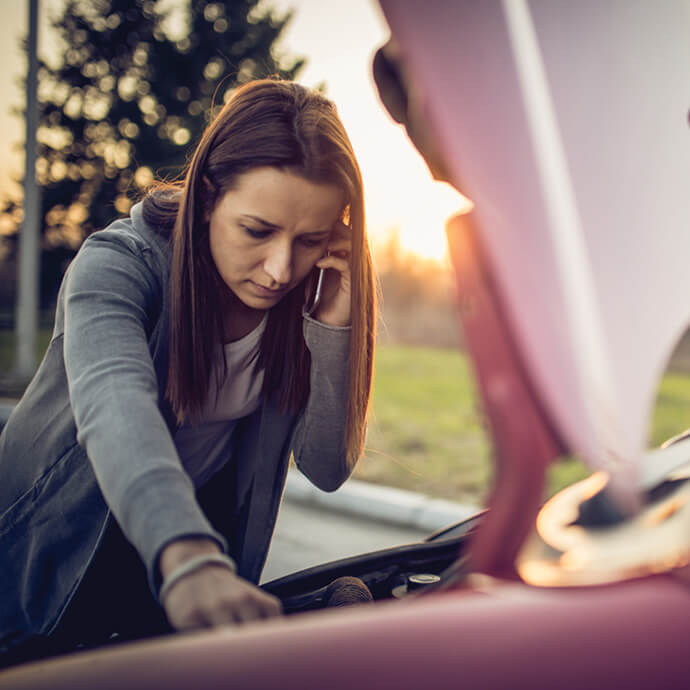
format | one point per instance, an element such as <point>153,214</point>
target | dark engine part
<point>346,591</point>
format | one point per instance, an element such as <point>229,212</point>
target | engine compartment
<point>386,574</point>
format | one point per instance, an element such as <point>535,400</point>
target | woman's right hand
<point>213,596</point>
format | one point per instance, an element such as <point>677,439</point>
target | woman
<point>183,371</point>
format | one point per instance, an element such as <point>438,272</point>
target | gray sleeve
<point>114,396</point>
<point>319,440</point>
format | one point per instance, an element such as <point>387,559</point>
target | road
<point>306,536</point>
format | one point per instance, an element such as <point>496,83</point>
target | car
<point>474,630</point>
<point>512,597</point>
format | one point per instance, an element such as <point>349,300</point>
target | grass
<point>426,432</point>
<point>672,411</point>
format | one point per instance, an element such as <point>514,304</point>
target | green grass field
<point>426,431</point>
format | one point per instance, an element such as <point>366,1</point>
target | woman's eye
<point>256,234</point>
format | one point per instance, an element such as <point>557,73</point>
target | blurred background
<point>124,89</point>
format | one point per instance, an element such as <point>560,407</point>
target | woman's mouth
<point>264,291</point>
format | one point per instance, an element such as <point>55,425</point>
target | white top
<point>204,447</point>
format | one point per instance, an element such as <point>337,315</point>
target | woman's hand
<point>212,595</point>
<point>335,306</point>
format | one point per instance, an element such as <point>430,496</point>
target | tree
<point>130,95</point>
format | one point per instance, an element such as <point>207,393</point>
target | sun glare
<point>423,231</point>
<point>420,225</point>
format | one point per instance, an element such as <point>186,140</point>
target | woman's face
<point>267,233</point>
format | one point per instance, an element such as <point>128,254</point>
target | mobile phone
<point>309,309</point>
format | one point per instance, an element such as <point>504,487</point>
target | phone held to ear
<point>309,309</point>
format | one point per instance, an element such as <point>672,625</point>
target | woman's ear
<point>345,216</point>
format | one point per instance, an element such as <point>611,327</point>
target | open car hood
<point>564,276</point>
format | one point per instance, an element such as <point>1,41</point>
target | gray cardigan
<point>91,439</point>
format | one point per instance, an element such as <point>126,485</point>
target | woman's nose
<point>278,263</point>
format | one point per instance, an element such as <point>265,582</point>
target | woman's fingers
<point>342,265</point>
<point>337,255</point>
<point>339,245</point>
<point>335,307</point>
<point>213,597</point>
<point>256,605</point>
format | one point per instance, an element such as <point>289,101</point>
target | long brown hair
<point>284,125</point>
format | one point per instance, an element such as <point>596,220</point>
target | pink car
<point>566,124</point>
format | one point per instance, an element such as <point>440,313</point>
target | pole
<point>29,246</point>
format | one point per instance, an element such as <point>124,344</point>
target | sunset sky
<point>338,39</point>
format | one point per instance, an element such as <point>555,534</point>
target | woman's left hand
<point>336,295</point>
